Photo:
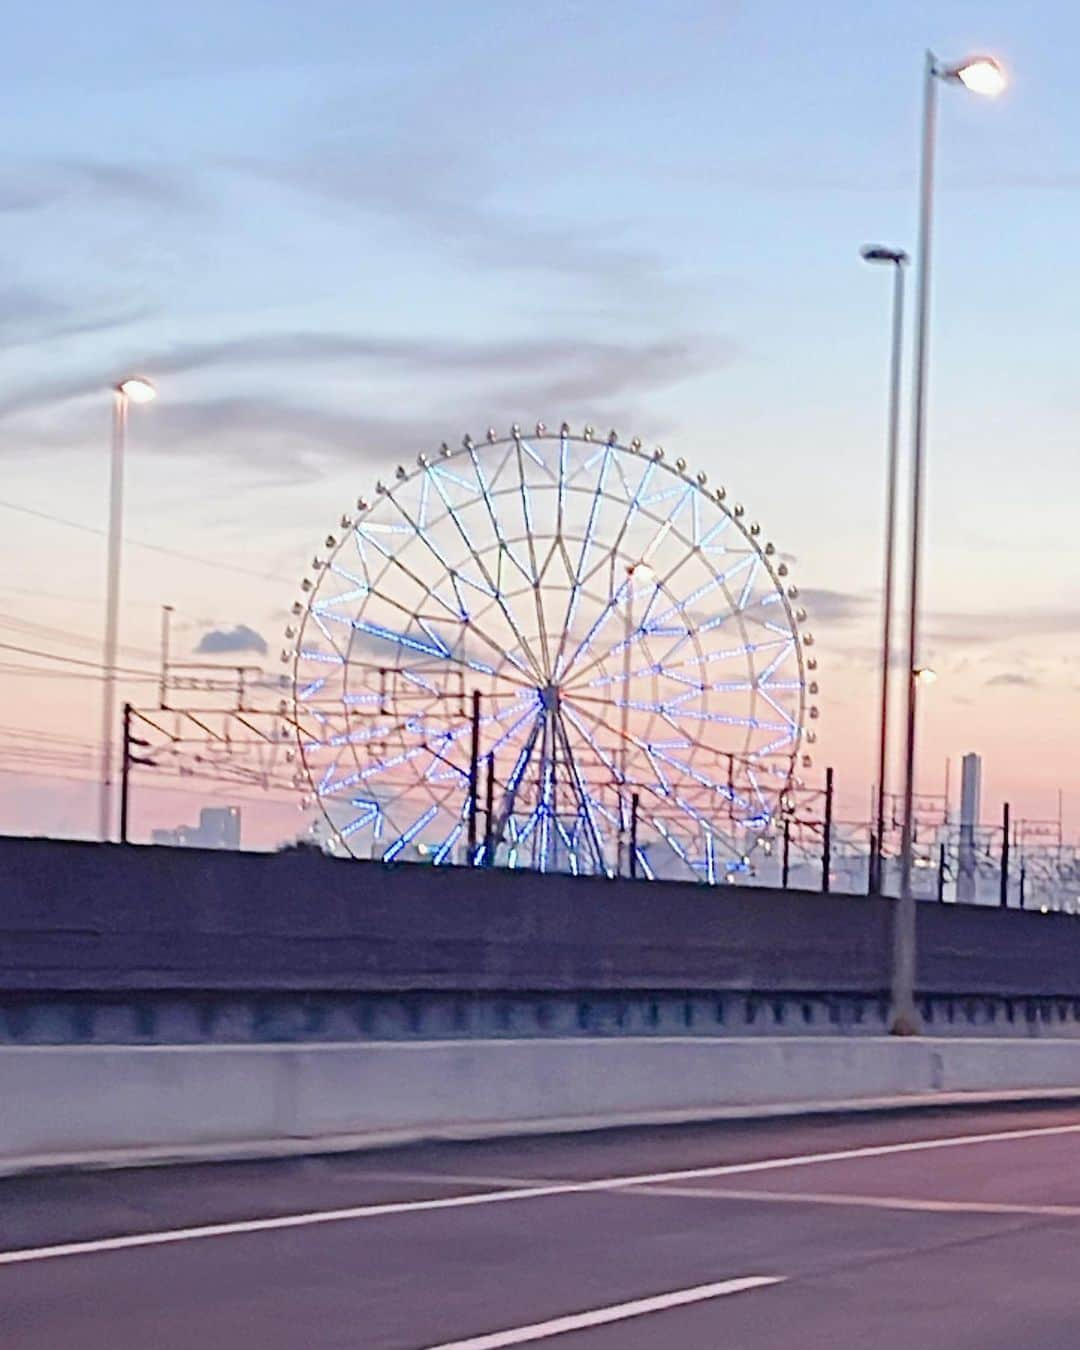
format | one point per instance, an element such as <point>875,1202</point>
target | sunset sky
<point>335,235</point>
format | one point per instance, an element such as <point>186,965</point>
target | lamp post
<point>134,389</point>
<point>897,259</point>
<point>982,75</point>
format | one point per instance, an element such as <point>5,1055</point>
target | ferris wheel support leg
<point>510,799</point>
<point>582,802</point>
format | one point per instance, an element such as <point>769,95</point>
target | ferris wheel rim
<point>763,554</point>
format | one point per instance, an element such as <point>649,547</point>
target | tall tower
<point>970,800</point>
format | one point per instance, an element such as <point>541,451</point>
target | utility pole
<point>1005,856</point>
<point>125,769</point>
<point>785,857</point>
<point>634,803</point>
<point>163,685</point>
<point>489,811</point>
<point>127,760</point>
<point>826,843</point>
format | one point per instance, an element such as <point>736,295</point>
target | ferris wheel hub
<point>549,697</point>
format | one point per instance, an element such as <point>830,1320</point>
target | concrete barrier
<point>94,920</point>
<point>96,1105</point>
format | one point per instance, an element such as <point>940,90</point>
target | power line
<point>141,543</point>
<point>51,633</point>
<point>74,660</point>
<point>219,788</point>
<point>42,673</point>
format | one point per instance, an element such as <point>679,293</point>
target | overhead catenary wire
<point>143,544</point>
<point>73,660</point>
<point>52,633</point>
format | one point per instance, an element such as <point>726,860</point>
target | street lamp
<point>897,259</point>
<point>133,389</point>
<point>982,75</point>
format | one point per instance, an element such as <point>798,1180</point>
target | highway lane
<point>937,1229</point>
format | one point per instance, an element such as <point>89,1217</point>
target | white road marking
<point>617,1312</point>
<point>867,1201</point>
<point>541,1192</point>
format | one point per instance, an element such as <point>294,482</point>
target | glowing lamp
<point>137,389</point>
<point>981,74</point>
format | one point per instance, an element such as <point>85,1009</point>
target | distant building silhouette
<point>970,802</point>
<point>218,827</point>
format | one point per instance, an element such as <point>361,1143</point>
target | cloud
<point>566,368</point>
<point>992,628</point>
<point>29,315</point>
<point>37,186</point>
<point>288,443</point>
<point>239,639</point>
<point>835,608</point>
<point>1012,679</point>
<point>516,380</point>
<point>445,196</point>
<point>284,442</point>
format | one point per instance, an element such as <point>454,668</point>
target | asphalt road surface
<point>921,1230</point>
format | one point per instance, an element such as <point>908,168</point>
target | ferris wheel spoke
<point>728,789</point>
<point>633,506</point>
<point>569,618</point>
<point>748,585</point>
<point>394,561</point>
<point>641,632</point>
<point>560,516</point>
<point>594,513</point>
<point>717,581</point>
<point>419,527</point>
<point>530,535</point>
<point>409,834</point>
<point>598,623</point>
<point>485,491</point>
<point>764,678</point>
<point>672,842</point>
<point>434,646</point>
<point>494,583</point>
<point>487,584</point>
<point>318,617</point>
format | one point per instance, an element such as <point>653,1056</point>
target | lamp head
<point>137,389</point>
<point>981,74</point>
<point>879,253</point>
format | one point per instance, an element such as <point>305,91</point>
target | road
<point>945,1229</point>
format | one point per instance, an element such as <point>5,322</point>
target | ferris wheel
<point>550,651</point>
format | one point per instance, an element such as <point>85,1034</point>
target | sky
<point>335,235</point>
